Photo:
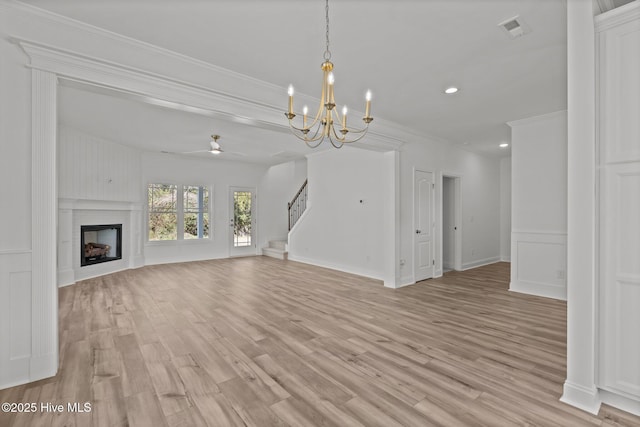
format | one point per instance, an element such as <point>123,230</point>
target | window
<point>178,212</point>
<point>196,212</point>
<point>163,212</point>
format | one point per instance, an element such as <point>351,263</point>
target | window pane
<point>196,212</point>
<point>162,198</point>
<point>163,219</point>
<point>241,218</point>
<point>163,226</point>
<point>191,226</point>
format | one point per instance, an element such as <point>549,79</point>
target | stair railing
<point>297,205</point>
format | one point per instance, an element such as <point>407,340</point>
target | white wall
<point>92,168</point>
<point>278,186</point>
<point>539,205</point>
<point>343,227</point>
<point>219,175</point>
<point>505,209</point>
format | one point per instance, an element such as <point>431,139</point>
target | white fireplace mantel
<point>100,205</point>
<point>73,213</point>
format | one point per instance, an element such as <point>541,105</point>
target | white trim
<point>102,205</point>
<point>480,263</point>
<point>335,266</point>
<point>587,399</point>
<point>43,362</point>
<point>536,119</point>
<point>16,290</point>
<point>539,289</point>
<point>399,285</point>
<point>552,284</point>
<point>618,400</point>
<point>617,16</point>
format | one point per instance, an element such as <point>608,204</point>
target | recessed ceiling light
<point>451,90</point>
<point>504,145</point>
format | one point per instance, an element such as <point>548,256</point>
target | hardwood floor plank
<point>259,342</point>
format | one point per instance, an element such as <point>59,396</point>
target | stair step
<point>275,253</point>
<point>278,244</point>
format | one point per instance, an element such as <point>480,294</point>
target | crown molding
<point>80,26</point>
<point>537,119</point>
<point>617,16</point>
<point>209,90</point>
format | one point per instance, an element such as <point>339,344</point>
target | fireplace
<point>100,243</point>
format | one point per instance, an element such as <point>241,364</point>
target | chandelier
<point>328,122</point>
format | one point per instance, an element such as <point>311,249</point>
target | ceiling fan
<point>214,148</point>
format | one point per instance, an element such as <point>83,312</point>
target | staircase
<point>276,249</point>
<point>297,206</point>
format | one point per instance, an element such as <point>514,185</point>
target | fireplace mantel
<point>99,205</point>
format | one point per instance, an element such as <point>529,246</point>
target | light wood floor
<point>259,342</point>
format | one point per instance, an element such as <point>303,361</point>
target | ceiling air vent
<point>514,27</point>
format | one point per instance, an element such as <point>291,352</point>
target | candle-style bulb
<point>305,110</point>
<point>290,90</point>
<point>367,108</point>
<point>344,118</point>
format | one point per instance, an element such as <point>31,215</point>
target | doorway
<point>242,202</point>
<point>451,221</point>
<point>424,226</point>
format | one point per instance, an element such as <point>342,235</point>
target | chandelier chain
<point>327,52</point>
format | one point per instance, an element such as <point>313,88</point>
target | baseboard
<point>585,398</point>
<point>480,263</point>
<point>621,402</point>
<point>406,281</point>
<point>539,289</point>
<point>505,258</point>
<point>66,278</point>
<point>137,262</point>
<point>399,285</point>
<point>44,366</point>
<point>337,267</point>
<point>28,369</point>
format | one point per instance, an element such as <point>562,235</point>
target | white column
<point>580,386</point>
<point>44,297</point>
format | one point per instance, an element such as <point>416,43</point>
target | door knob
<point>418,231</point>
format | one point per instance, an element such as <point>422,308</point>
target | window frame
<point>180,214</point>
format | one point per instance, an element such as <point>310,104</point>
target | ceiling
<point>406,51</point>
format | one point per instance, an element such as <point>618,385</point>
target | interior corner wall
<point>539,205</point>
<point>278,186</point>
<point>220,175</point>
<point>343,227</point>
<point>505,209</point>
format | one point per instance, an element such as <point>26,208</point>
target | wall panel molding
<point>15,317</point>
<point>539,263</point>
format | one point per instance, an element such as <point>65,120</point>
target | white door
<point>242,221</point>
<point>423,225</point>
